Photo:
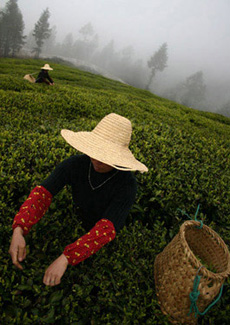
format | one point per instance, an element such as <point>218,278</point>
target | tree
<point>87,31</point>
<point>86,45</point>
<point>193,90</point>
<point>157,62</point>
<point>41,31</point>
<point>11,29</point>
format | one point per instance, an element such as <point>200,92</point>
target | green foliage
<point>187,153</point>
<point>193,90</point>
<point>157,62</point>
<point>11,29</point>
<point>41,31</point>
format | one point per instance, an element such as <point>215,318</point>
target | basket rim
<point>204,271</point>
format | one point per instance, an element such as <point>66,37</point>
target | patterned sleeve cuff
<point>33,209</point>
<point>102,233</point>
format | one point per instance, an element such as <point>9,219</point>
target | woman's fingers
<point>55,271</point>
<point>51,280</point>
<point>21,253</point>
<point>55,281</point>
<point>14,256</point>
<point>17,248</point>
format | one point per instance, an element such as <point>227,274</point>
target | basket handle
<point>195,217</point>
<point>195,294</point>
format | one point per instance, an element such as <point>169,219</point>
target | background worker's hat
<point>108,143</point>
<point>46,67</point>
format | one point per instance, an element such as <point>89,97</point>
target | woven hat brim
<point>119,157</point>
<point>45,68</point>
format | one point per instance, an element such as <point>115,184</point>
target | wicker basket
<point>30,78</point>
<point>176,267</point>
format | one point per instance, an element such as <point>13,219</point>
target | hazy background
<point>197,33</point>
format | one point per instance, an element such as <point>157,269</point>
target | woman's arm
<point>102,233</point>
<point>33,209</point>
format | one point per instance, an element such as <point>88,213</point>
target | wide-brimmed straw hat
<point>46,67</point>
<point>108,142</point>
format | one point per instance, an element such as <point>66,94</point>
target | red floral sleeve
<point>33,209</point>
<point>102,233</point>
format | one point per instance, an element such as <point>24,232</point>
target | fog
<point>197,33</point>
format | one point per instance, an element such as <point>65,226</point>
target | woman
<point>103,188</point>
<point>44,75</point>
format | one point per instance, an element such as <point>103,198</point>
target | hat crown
<point>46,67</point>
<point>114,128</point>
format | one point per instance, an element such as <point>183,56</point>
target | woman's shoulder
<point>127,178</point>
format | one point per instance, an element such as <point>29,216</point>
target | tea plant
<point>188,155</point>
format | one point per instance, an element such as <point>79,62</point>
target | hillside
<point>188,155</point>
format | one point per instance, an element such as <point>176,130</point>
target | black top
<point>42,76</point>
<point>112,200</point>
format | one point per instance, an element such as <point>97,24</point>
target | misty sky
<point>197,31</point>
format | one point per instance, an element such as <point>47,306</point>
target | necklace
<point>100,185</point>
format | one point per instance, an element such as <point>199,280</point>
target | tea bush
<point>188,154</point>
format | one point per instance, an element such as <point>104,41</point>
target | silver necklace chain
<point>100,185</point>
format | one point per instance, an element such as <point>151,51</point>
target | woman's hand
<point>55,271</point>
<point>18,247</point>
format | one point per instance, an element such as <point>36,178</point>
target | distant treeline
<point>42,40</point>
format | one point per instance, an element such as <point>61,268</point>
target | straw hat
<point>46,67</point>
<point>108,142</point>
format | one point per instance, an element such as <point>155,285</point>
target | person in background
<point>43,75</point>
<point>103,188</point>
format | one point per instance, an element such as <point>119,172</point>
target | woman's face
<point>100,167</point>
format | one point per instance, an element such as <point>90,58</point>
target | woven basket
<point>30,78</point>
<point>176,267</point>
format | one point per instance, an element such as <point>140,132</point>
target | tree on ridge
<point>157,62</point>
<point>41,31</point>
<point>11,29</point>
<point>193,90</point>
